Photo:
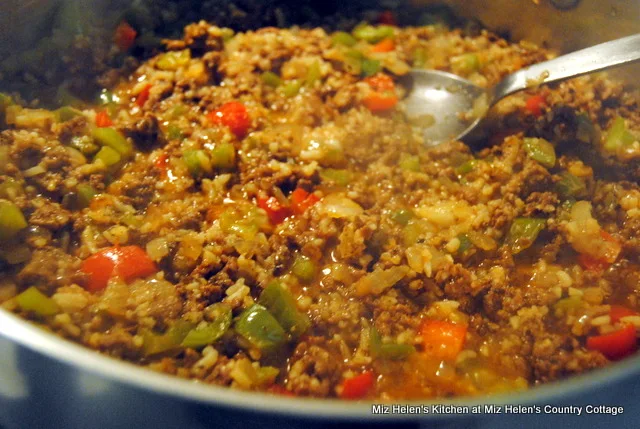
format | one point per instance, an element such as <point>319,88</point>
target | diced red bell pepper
<point>534,105</point>
<point>377,102</point>
<point>590,263</point>
<point>387,18</point>
<point>385,45</point>
<point>125,36</point>
<point>103,120</point>
<point>100,269</point>
<point>615,345</point>
<point>617,312</point>
<point>442,339</point>
<point>233,115</point>
<point>357,386</point>
<point>162,163</point>
<point>301,200</point>
<point>615,248</point>
<point>382,96</point>
<point>143,96</point>
<point>275,210</point>
<point>128,263</point>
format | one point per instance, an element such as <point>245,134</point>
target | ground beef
<point>48,269</point>
<point>259,182</point>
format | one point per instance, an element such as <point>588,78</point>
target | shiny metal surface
<point>22,22</point>
<point>47,382</point>
<point>445,97</point>
<point>74,387</point>
<point>441,98</point>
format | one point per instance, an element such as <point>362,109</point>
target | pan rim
<point>39,340</point>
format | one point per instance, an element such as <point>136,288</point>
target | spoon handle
<point>595,58</point>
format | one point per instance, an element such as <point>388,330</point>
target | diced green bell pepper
<point>267,375</point>
<point>465,243</point>
<point>67,113</point>
<point>353,61</point>
<point>314,74</point>
<point>86,193</point>
<point>523,233</point>
<point>10,189</point>
<point>540,150</point>
<point>84,144</point>
<point>618,135</point>
<point>12,220</point>
<point>223,156</point>
<point>402,216</point>
<point>466,167</point>
<point>465,64</point>
<point>173,60</point>
<point>570,186</point>
<point>32,300</point>
<point>197,162</point>
<point>81,198</point>
<point>271,79</point>
<point>282,306</point>
<point>586,131</point>
<point>304,269</point>
<point>568,305</point>
<point>369,67</point>
<point>389,351</point>
<point>179,111</point>
<point>108,156</point>
<point>339,177</point>
<point>202,336</point>
<point>260,328</point>
<point>343,38</point>
<point>110,137</point>
<point>409,163</point>
<point>170,341</point>
<point>420,57</point>
<point>372,34</point>
<point>174,132</point>
<point>291,88</point>
<point>227,33</point>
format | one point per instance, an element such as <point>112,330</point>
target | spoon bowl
<point>448,107</point>
<point>439,103</point>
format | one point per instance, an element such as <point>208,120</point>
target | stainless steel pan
<point>48,382</point>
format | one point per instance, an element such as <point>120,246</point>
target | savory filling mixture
<point>256,210</point>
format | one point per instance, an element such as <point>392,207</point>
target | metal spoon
<point>448,99</point>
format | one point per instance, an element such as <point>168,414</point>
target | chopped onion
<point>380,280</point>
<point>483,241</point>
<point>76,156</point>
<point>339,206</point>
<point>157,248</point>
<point>34,171</point>
<point>581,211</point>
